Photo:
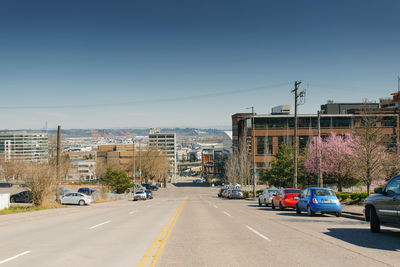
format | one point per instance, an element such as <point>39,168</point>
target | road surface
<point>187,225</point>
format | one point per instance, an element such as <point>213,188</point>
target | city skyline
<point>186,64</point>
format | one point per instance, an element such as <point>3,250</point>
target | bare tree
<point>40,180</point>
<point>370,150</point>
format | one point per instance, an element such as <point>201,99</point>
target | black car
<point>23,197</point>
<point>384,206</point>
<point>5,185</point>
<point>86,190</point>
<point>150,187</point>
<point>149,194</point>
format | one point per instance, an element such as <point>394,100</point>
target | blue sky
<point>69,54</point>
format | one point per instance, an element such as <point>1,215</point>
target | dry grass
<point>19,209</point>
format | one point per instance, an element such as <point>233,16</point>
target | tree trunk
<point>340,187</point>
<point>368,187</point>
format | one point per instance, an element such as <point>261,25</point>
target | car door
<point>302,203</point>
<point>388,205</point>
<point>68,198</point>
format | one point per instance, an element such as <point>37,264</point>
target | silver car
<point>266,197</point>
<point>76,198</point>
<point>140,195</point>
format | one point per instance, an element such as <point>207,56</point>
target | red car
<point>286,198</point>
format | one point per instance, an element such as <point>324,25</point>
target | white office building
<point>26,146</point>
<point>165,142</point>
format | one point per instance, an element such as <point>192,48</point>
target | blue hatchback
<point>317,199</point>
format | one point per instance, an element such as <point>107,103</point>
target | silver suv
<point>384,206</point>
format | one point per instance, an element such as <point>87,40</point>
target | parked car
<point>150,187</point>
<point>86,190</point>
<point>286,198</point>
<point>235,193</point>
<point>5,185</point>
<point>140,195</point>
<point>383,208</point>
<point>225,193</point>
<point>149,194</point>
<point>220,192</point>
<point>22,197</point>
<point>217,183</point>
<point>76,198</point>
<point>197,181</point>
<point>317,199</point>
<point>265,198</point>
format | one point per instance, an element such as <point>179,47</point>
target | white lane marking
<point>14,257</point>
<point>100,224</point>
<point>133,211</point>
<point>259,234</point>
<point>227,214</point>
<point>215,206</point>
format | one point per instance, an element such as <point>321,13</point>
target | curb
<point>353,215</point>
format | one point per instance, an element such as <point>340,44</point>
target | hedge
<point>352,196</point>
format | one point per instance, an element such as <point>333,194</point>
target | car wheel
<point>338,214</point>
<point>375,224</point>
<point>272,205</point>
<point>81,202</point>
<point>298,211</point>
<point>280,206</point>
<point>12,200</point>
<point>309,211</point>
<point>259,203</point>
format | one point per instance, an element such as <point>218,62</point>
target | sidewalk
<point>353,211</point>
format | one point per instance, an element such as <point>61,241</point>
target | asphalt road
<point>187,225</point>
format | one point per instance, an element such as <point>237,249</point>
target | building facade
<point>25,146</point>
<point>165,142</point>
<point>270,131</point>
<point>212,161</point>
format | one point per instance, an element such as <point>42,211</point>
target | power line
<point>172,99</point>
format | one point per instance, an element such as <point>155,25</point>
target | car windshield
<point>272,191</point>
<point>140,192</point>
<point>323,192</point>
<point>236,191</point>
<point>289,191</point>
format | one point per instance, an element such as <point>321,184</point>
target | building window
<point>264,145</point>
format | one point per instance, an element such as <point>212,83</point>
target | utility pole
<point>296,96</point>
<point>254,153</point>
<point>134,166</point>
<point>320,181</point>
<point>58,164</point>
<point>140,163</point>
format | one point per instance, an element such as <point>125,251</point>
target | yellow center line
<point>159,238</point>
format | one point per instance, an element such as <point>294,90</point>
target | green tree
<point>281,172</point>
<point>117,180</point>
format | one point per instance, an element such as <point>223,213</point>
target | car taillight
<point>314,200</point>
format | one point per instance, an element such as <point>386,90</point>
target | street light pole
<point>254,153</point>
<point>320,181</point>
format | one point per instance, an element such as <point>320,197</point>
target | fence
<point>4,201</point>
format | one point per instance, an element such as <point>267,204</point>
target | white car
<point>76,198</point>
<point>139,195</point>
<point>266,197</point>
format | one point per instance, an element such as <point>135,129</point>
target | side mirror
<point>300,195</point>
<point>378,190</point>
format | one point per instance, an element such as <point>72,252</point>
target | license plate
<point>296,197</point>
<point>326,201</point>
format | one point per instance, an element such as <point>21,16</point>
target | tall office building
<point>26,146</point>
<point>165,142</point>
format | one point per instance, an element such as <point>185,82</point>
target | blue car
<point>317,199</point>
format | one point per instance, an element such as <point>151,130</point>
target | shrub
<point>245,194</point>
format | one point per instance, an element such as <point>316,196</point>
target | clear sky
<point>56,57</point>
